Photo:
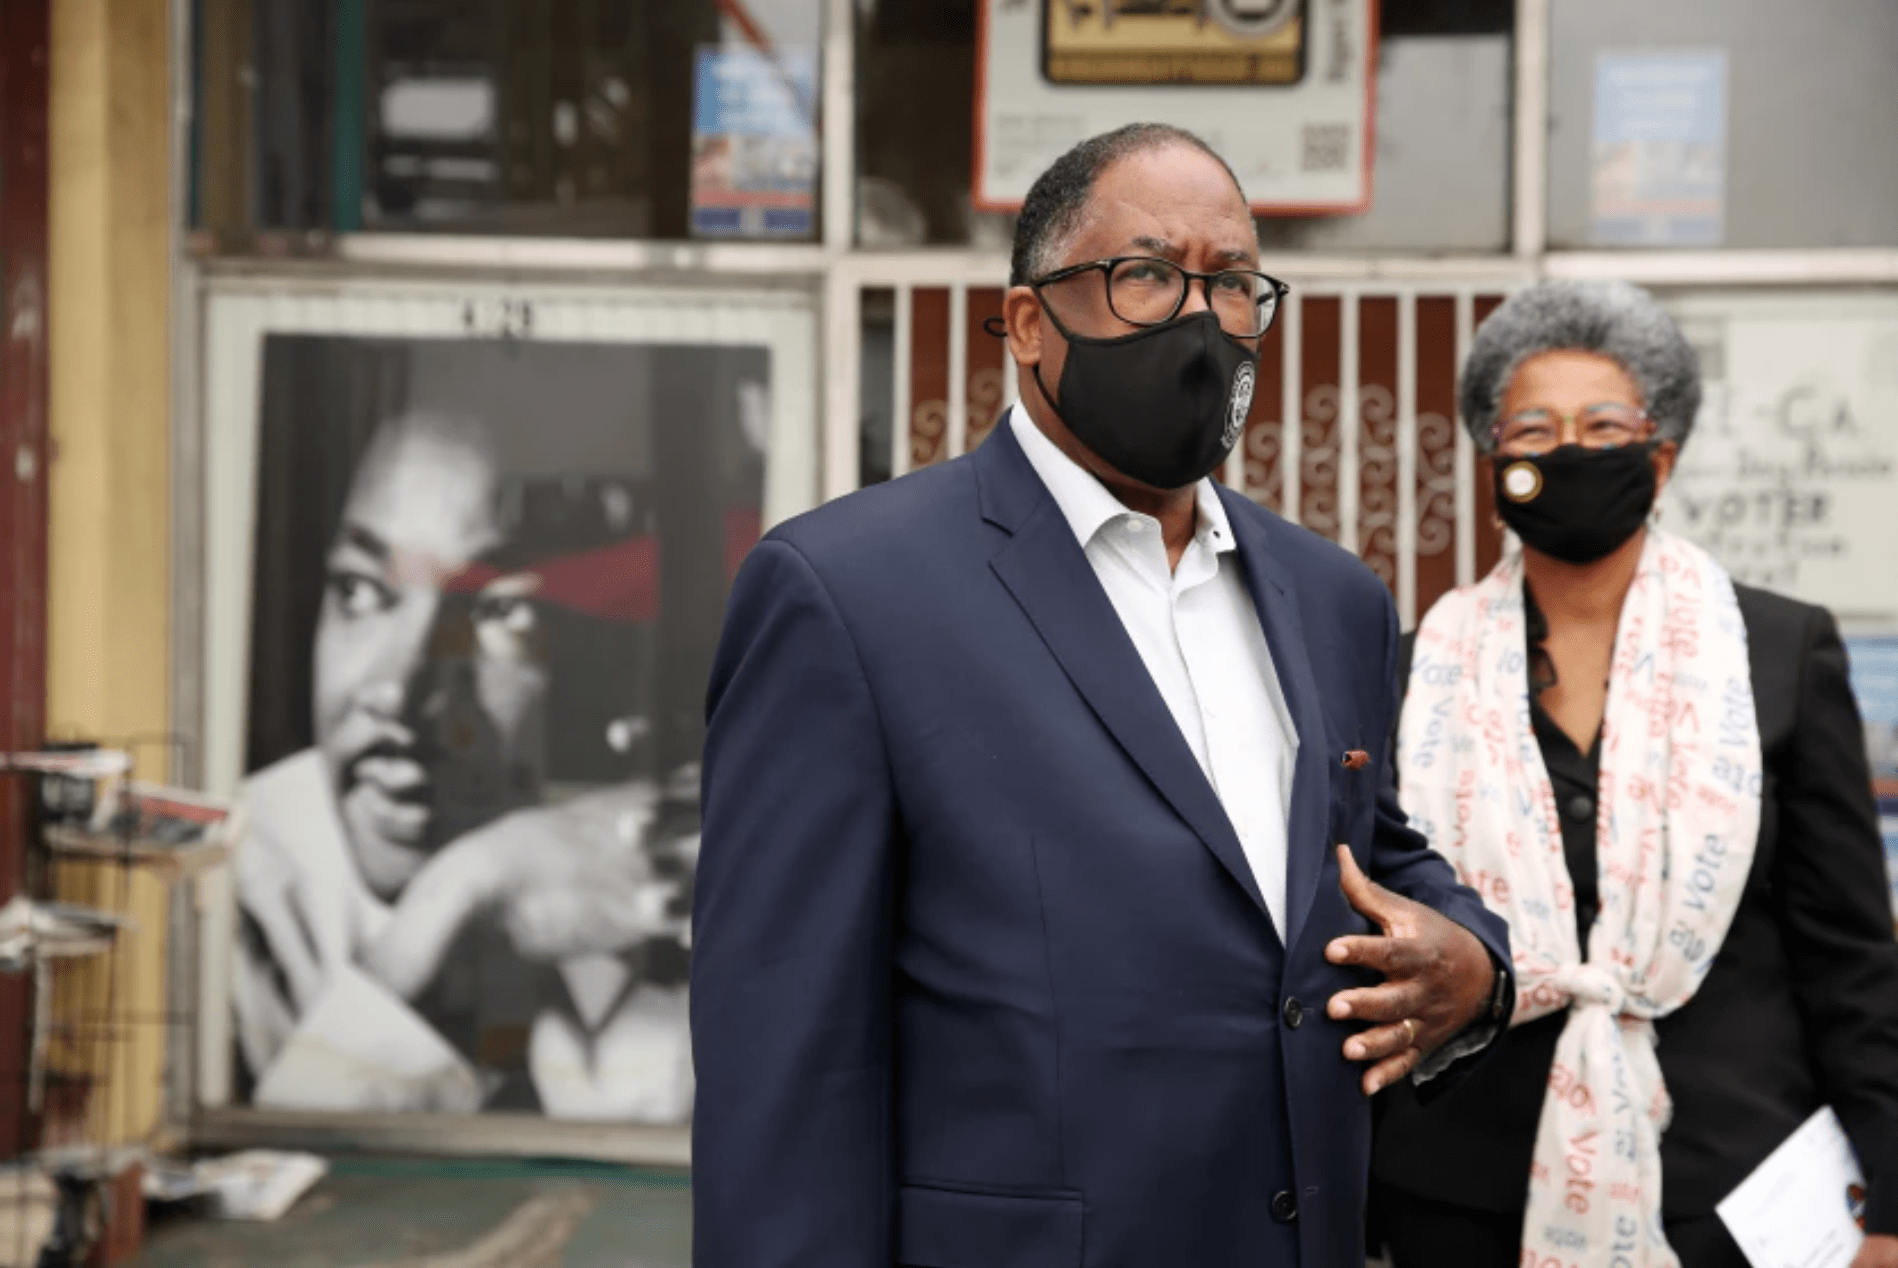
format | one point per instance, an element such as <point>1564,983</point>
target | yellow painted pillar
<point>109,585</point>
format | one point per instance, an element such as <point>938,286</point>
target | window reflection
<point>555,117</point>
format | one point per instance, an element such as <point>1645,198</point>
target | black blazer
<point>1800,1008</point>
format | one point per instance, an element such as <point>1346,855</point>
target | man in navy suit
<point>1053,906</point>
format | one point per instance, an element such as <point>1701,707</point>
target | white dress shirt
<point>1198,634</point>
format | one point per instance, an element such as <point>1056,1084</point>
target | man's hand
<point>562,881</point>
<point>1879,1251</point>
<point>274,895</point>
<point>310,906</point>
<point>1437,978</point>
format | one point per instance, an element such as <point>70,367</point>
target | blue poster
<point>1875,683</point>
<point>1660,149</point>
<point>754,143</point>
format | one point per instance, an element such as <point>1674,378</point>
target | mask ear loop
<point>998,327</point>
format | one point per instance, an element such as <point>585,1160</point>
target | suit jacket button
<point>1294,1012</point>
<point>1285,1207</point>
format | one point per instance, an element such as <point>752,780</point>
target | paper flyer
<point>1802,1207</point>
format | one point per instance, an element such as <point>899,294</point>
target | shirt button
<point>1134,525</point>
<point>1285,1207</point>
<point>1581,808</point>
<point>1294,1013</point>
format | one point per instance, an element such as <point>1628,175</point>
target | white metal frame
<point>837,273</point>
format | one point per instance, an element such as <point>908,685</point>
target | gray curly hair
<point>1618,320</point>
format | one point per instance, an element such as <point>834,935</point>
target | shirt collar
<point>1085,502</point>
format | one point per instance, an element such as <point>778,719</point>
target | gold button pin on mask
<point>1521,482</point>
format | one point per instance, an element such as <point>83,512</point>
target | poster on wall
<point>1282,88</point>
<point>754,143</point>
<point>1791,475</point>
<point>487,581</point>
<point>1660,149</point>
<point>1874,660</point>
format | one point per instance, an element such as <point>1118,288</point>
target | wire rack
<point>87,944</point>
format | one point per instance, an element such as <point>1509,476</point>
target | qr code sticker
<point>1327,147</point>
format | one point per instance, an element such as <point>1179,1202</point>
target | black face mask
<point>1576,504</point>
<point>1164,405</point>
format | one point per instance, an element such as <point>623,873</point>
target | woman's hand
<point>1879,1251</point>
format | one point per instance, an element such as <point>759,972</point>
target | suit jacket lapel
<point>1306,849</point>
<point>1046,571</point>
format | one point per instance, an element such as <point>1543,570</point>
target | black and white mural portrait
<point>486,587</point>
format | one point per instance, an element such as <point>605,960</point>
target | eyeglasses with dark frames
<point>1144,290</point>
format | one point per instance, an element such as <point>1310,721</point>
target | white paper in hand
<point>1800,1208</point>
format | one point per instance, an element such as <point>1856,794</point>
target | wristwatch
<point>1498,1010</point>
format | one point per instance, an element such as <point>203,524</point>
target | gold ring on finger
<point>1410,1029</point>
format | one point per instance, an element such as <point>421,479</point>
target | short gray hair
<point>1056,204</point>
<point>1618,320</point>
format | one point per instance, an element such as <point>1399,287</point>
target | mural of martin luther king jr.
<point>432,919</point>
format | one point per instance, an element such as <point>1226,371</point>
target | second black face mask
<point>1164,405</point>
<point>1576,504</point>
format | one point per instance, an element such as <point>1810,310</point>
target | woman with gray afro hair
<point>1657,776</point>
<point>1615,319</point>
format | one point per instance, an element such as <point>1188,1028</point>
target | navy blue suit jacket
<point>980,976</point>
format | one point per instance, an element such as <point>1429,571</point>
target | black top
<point>1799,1009</point>
<point>1573,775</point>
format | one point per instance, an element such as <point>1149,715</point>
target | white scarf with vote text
<point>1677,817</point>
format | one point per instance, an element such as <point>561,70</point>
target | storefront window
<point>576,118</point>
<point>1440,163</point>
<point>1722,125</point>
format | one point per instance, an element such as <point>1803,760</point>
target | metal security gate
<point>1353,431</point>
